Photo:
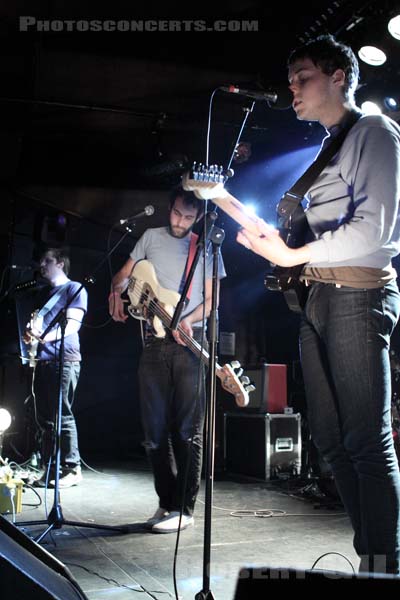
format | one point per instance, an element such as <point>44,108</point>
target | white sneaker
<point>71,478</point>
<point>160,514</point>
<point>170,524</point>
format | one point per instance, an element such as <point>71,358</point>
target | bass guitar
<point>208,184</point>
<point>154,304</point>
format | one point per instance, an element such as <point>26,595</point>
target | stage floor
<point>276,523</point>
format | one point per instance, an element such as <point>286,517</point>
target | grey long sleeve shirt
<point>353,205</point>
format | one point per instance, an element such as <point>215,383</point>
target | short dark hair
<point>61,255</point>
<point>188,199</point>
<point>329,54</point>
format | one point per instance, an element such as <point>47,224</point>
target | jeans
<point>344,341</point>
<point>172,410</point>
<point>46,394</point>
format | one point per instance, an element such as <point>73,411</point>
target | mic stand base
<point>56,521</point>
<point>204,595</point>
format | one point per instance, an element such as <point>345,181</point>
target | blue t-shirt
<point>51,350</point>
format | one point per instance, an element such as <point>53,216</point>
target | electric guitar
<point>208,184</point>
<point>36,322</point>
<point>154,304</point>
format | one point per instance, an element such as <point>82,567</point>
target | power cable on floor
<point>336,554</point>
<point>140,589</point>
<point>119,567</point>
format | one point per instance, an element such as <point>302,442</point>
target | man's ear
<point>339,77</point>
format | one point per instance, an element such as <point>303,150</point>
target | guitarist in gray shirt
<point>172,405</point>
<point>353,302</point>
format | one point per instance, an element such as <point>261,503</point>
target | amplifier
<point>270,395</point>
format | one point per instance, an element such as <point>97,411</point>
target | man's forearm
<point>119,284</point>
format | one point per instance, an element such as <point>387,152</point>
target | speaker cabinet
<point>260,583</point>
<point>263,446</point>
<point>270,395</point>
<point>28,571</point>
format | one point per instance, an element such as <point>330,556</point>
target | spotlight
<point>5,422</point>
<point>372,55</point>
<point>391,103</point>
<point>250,209</point>
<point>394,27</point>
<point>242,152</point>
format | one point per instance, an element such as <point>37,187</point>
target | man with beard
<point>172,399</point>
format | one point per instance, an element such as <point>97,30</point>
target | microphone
<point>26,285</point>
<point>23,267</point>
<point>146,212</point>
<point>254,94</point>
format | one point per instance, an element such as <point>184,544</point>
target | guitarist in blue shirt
<point>54,268</point>
<point>353,302</point>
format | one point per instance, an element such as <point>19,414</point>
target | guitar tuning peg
<point>245,380</point>
<point>240,372</point>
<point>235,364</point>
<point>250,388</point>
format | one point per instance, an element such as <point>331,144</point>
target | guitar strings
<point>159,311</point>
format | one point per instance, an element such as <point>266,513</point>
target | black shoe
<point>41,483</point>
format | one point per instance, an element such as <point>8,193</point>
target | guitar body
<point>144,291</point>
<point>36,322</point>
<point>295,232</point>
<point>156,305</point>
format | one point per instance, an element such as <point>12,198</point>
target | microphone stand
<point>55,519</point>
<point>216,235</point>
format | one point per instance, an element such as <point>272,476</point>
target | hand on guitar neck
<point>285,248</point>
<point>271,246</point>
<point>256,235</point>
<point>185,328</point>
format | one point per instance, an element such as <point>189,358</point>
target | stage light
<point>5,422</point>
<point>372,55</point>
<point>394,27</point>
<point>391,103</point>
<point>242,152</point>
<point>250,209</point>
<point>370,108</point>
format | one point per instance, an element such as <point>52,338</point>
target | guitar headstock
<point>206,181</point>
<point>233,381</point>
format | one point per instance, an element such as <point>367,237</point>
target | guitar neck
<point>194,346</point>
<point>237,211</point>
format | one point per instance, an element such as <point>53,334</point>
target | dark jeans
<point>172,415</point>
<point>345,335</point>
<point>46,393</point>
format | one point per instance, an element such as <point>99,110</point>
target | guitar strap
<point>52,301</point>
<point>291,199</point>
<point>192,251</point>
